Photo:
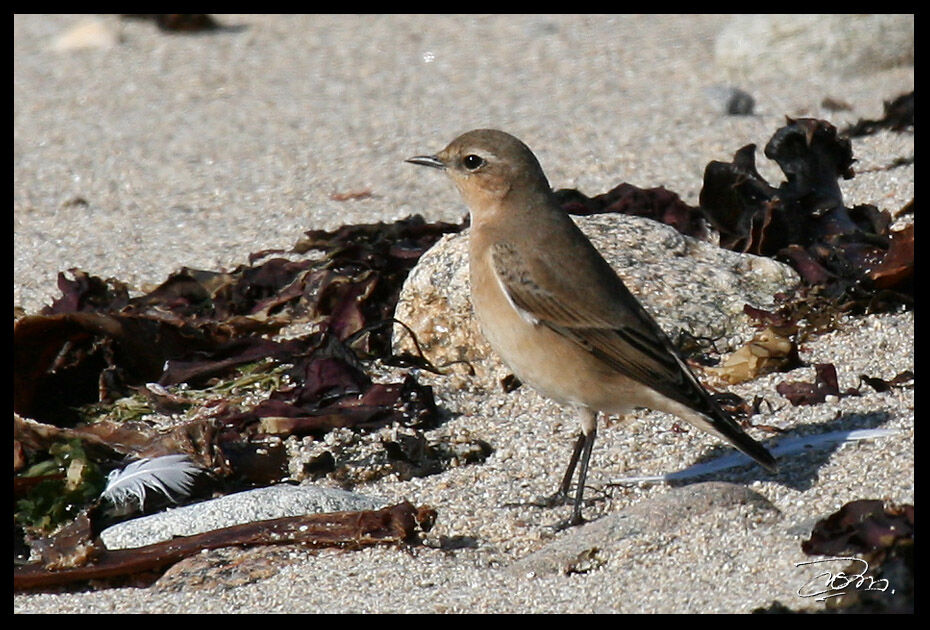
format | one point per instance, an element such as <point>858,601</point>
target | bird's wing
<point>618,331</point>
<point>604,318</point>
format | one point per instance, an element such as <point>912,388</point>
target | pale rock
<point>92,33</point>
<point>687,284</point>
<point>249,506</point>
<point>808,44</point>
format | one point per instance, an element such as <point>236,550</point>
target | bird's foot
<point>556,499</point>
<point>573,521</point>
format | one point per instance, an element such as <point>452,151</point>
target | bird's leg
<point>581,450</point>
<point>582,476</point>
<point>570,471</point>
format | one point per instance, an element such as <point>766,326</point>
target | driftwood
<point>395,524</point>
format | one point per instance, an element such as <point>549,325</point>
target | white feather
<point>171,475</point>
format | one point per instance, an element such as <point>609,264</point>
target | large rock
<point>663,516</point>
<point>797,45</point>
<point>686,284</point>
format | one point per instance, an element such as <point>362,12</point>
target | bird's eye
<point>473,162</point>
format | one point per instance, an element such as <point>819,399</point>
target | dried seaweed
<point>53,491</point>
<point>94,366</point>
<point>178,22</point>
<point>881,538</point>
<point>849,255</point>
<point>773,349</point>
<point>95,342</point>
<point>396,524</point>
<point>899,116</point>
<point>825,384</point>
<point>902,379</point>
<point>658,203</point>
<point>331,390</point>
<point>860,527</point>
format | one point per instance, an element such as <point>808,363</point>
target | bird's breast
<point>538,356</point>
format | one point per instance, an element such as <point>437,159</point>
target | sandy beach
<point>157,151</point>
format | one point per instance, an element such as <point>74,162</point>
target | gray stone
<point>234,509</point>
<point>589,546</point>
<point>730,100</point>
<point>686,284</point>
<point>802,45</point>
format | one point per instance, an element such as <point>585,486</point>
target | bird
<point>557,313</point>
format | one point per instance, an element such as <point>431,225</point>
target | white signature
<point>827,584</point>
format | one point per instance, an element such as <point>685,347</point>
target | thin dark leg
<point>587,443</point>
<point>570,471</point>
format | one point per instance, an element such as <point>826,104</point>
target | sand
<point>165,150</point>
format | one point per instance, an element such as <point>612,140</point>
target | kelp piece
<point>66,360</point>
<point>178,22</point>
<point>95,342</point>
<point>394,525</point>
<point>825,384</point>
<point>657,203</point>
<point>850,254</point>
<point>870,549</point>
<point>752,215</point>
<point>898,116</point>
<point>772,349</point>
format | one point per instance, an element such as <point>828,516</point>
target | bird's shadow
<point>802,476</point>
<point>805,463</point>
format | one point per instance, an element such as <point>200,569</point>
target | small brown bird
<point>557,313</point>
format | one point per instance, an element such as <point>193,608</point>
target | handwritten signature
<point>828,584</point>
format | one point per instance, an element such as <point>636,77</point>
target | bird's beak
<point>427,160</point>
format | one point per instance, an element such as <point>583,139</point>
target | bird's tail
<point>718,422</point>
